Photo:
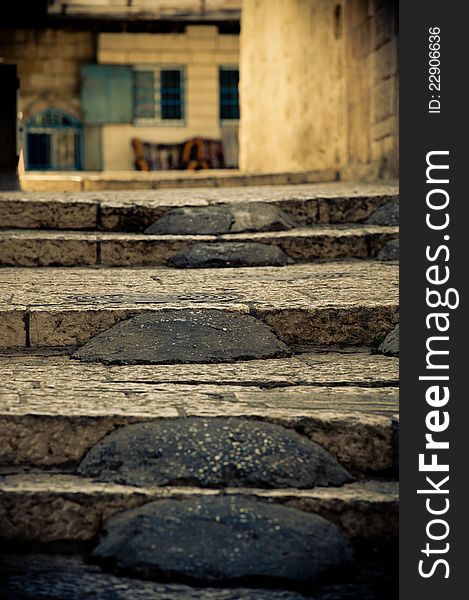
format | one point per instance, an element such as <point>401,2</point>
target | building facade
<point>320,87</point>
<point>318,83</point>
<point>93,80</point>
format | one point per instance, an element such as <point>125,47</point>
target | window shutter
<point>106,94</point>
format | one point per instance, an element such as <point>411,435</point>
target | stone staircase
<point>193,403</point>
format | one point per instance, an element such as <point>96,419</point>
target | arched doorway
<point>53,142</point>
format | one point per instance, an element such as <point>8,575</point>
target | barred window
<point>229,95</point>
<point>159,95</point>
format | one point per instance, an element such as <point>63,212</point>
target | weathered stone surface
<point>39,247</point>
<point>184,336</point>
<point>390,345</point>
<point>229,254</point>
<point>129,210</point>
<point>13,328</point>
<point>390,251</point>
<point>217,452</point>
<point>327,303</point>
<point>55,577</point>
<point>326,369</point>
<point>47,250</point>
<point>144,180</point>
<point>256,216</point>
<point>132,250</point>
<point>363,510</point>
<point>223,218</point>
<point>52,210</point>
<point>217,539</point>
<point>35,432</point>
<point>54,409</point>
<point>193,220</point>
<point>385,215</point>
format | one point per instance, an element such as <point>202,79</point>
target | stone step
<point>351,367</point>
<point>53,507</point>
<point>38,248</point>
<point>155,180</point>
<point>62,577</point>
<point>54,409</point>
<point>135,210</point>
<point>349,303</point>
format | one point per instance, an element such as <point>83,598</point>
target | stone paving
<point>236,425</point>
<point>136,210</point>
<point>365,511</point>
<point>321,304</point>
<point>152,180</point>
<point>31,247</point>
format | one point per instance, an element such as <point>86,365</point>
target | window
<point>229,96</point>
<point>53,141</point>
<point>159,95</point>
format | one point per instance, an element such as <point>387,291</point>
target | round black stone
<point>222,539</point>
<point>385,215</point>
<point>212,452</point>
<point>229,254</point>
<point>184,336</point>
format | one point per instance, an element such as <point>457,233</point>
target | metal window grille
<point>171,94</point>
<point>159,95</point>
<point>53,142</point>
<point>229,95</point>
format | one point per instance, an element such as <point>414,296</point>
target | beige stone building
<point>318,82</point>
<point>201,57</point>
<point>319,86</point>
<point>104,72</point>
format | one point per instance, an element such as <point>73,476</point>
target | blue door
<point>53,141</point>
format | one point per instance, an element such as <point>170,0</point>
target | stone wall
<point>319,87</point>
<point>48,62</point>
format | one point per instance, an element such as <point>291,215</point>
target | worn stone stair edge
<point>212,453</point>
<point>36,248</point>
<point>361,443</point>
<point>140,180</point>
<point>363,511</point>
<point>115,210</point>
<point>299,325</point>
<point>77,396</point>
<point>29,369</point>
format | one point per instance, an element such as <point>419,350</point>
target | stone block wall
<point>319,87</point>
<point>48,62</point>
<point>372,89</point>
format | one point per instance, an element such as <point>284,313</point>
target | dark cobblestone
<point>222,539</point>
<point>212,452</point>
<point>184,336</point>
<point>229,254</point>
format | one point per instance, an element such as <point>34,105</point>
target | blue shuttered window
<point>107,94</point>
<point>147,94</point>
